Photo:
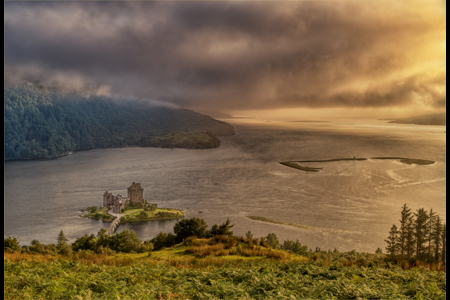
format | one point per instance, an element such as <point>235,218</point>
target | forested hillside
<point>41,124</point>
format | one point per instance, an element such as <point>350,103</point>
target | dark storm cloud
<point>232,55</point>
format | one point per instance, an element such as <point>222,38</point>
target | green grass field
<point>167,213</point>
<point>176,274</point>
<point>101,213</point>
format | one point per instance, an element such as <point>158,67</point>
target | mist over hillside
<point>39,123</point>
<point>434,119</point>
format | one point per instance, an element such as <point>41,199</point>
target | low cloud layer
<point>234,55</point>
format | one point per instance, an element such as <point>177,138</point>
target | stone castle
<point>117,203</point>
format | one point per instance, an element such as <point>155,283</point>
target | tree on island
<point>143,215</point>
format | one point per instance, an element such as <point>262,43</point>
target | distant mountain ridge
<point>43,124</point>
<point>433,119</point>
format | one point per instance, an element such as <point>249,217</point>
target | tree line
<point>421,235</point>
<point>127,241</point>
<point>39,123</point>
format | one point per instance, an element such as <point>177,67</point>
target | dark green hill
<point>434,119</point>
<point>42,124</point>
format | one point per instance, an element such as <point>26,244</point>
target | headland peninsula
<point>42,123</point>
<point>433,119</point>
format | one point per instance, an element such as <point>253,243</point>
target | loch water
<point>349,204</point>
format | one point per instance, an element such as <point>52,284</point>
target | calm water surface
<point>352,204</point>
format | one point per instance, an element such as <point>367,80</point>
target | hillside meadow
<point>217,269</point>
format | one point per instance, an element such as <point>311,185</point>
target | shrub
<point>162,240</point>
<point>223,229</point>
<point>65,250</point>
<point>190,227</point>
<point>142,215</point>
<point>295,247</point>
<point>147,246</point>
<point>272,240</point>
<point>205,250</point>
<point>12,243</point>
<point>194,241</point>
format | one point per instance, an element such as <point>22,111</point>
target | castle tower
<point>107,199</point>
<point>136,192</point>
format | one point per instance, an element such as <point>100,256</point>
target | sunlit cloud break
<point>235,55</point>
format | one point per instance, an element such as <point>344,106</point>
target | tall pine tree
<point>405,224</point>
<point>61,241</point>
<point>431,220</point>
<point>444,244</point>
<point>421,232</point>
<point>436,235</point>
<point>392,241</point>
<point>410,245</point>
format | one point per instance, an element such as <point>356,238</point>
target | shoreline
<point>128,146</point>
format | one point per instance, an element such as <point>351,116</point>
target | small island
<point>297,165</point>
<point>133,208</point>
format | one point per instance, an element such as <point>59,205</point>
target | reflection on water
<point>355,202</point>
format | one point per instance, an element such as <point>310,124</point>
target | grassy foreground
<point>180,273</point>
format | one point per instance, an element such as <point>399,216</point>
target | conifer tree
<point>421,231</point>
<point>405,224</point>
<point>392,241</point>
<point>436,235</point>
<point>410,244</point>
<point>61,241</point>
<point>430,223</point>
<point>444,244</point>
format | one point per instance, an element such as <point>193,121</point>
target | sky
<point>312,58</point>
